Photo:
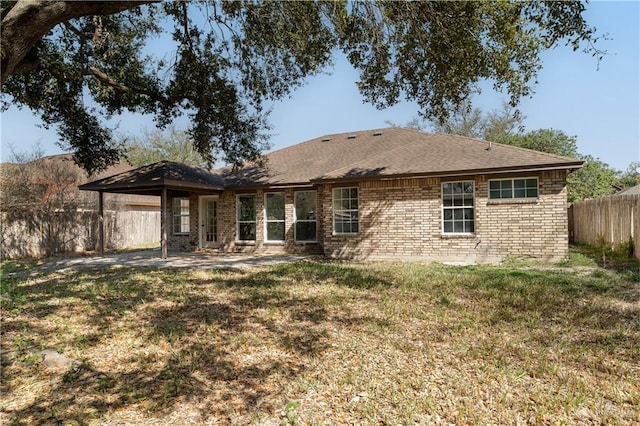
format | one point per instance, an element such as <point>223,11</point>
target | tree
<point>593,180</point>
<point>156,145</point>
<point>546,140</point>
<point>225,59</point>
<point>472,122</point>
<point>40,198</point>
<point>631,176</point>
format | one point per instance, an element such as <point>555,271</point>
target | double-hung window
<point>345,211</point>
<point>513,188</point>
<point>457,207</point>
<point>306,225</point>
<point>274,216</point>
<point>246,217</point>
<point>181,216</point>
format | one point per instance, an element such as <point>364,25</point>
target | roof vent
<point>326,139</point>
<point>489,148</point>
<point>377,134</point>
<point>351,137</point>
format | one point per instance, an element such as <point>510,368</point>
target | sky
<point>597,102</point>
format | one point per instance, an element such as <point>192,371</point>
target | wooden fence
<point>122,229</point>
<point>611,220</point>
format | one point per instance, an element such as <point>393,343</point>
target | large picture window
<point>513,188</point>
<point>457,207</point>
<point>246,217</point>
<point>274,216</point>
<point>345,211</point>
<point>306,226</point>
<point>181,216</point>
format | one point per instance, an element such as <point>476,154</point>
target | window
<point>513,188</point>
<point>305,216</point>
<point>345,210</point>
<point>246,211</point>
<point>274,216</point>
<point>457,207</point>
<point>181,216</point>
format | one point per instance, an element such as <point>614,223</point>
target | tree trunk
<point>29,20</point>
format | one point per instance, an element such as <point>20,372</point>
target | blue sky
<point>597,103</point>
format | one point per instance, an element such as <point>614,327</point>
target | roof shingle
<point>151,178</point>
<point>390,152</point>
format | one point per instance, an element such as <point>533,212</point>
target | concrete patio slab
<point>151,258</point>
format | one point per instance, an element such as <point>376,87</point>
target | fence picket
<point>608,220</point>
<point>122,229</point>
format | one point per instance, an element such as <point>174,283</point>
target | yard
<point>325,343</point>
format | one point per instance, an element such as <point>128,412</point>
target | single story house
<point>392,193</point>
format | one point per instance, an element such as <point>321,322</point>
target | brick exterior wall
<point>401,219</point>
<point>227,238</point>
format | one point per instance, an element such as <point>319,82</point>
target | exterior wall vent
<point>377,134</point>
<point>351,137</point>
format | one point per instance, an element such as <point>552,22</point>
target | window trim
<point>267,220</point>
<point>333,210</point>
<point>513,197</point>
<point>443,207</point>
<point>296,220</point>
<point>176,201</point>
<point>238,221</point>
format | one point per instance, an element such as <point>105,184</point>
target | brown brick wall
<point>401,219</point>
<point>179,242</point>
<point>227,227</point>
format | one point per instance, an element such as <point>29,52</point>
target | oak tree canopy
<point>76,63</point>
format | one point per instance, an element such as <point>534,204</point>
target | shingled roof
<point>391,152</point>
<point>152,178</point>
<point>370,154</point>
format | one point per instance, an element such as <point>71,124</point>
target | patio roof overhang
<point>154,179</point>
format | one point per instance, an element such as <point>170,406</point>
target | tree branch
<point>110,81</point>
<point>29,20</point>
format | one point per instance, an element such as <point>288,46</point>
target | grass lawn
<point>325,343</point>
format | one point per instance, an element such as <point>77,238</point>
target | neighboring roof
<point>152,178</point>
<point>390,152</point>
<point>633,190</point>
<point>61,171</point>
<point>66,163</point>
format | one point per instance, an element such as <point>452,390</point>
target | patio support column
<point>163,224</point>
<point>101,222</point>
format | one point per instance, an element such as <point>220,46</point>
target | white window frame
<point>179,216</point>
<point>239,222</point>
<point>348,211</point>
<point>453,208</point>
<point>513,188</point>
<point>296,219</point>
<point>267,221</point>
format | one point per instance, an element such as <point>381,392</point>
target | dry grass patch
<point>324,343</point>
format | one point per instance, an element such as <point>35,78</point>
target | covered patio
<point>164,179</point>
